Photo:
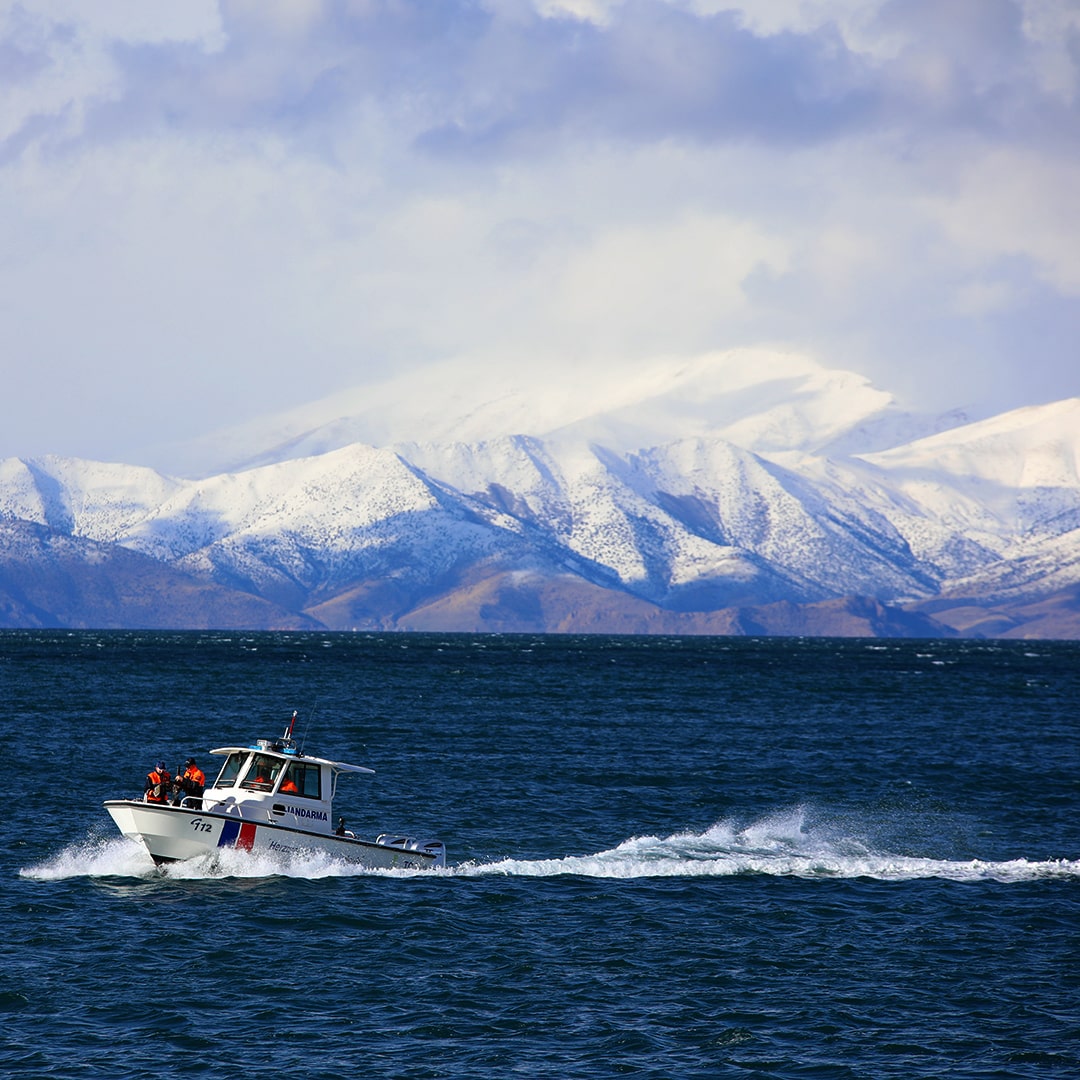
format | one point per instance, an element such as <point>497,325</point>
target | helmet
<point>160,766</point>
<point>190,761</point>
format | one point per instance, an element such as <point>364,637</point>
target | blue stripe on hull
<point>229,832</point>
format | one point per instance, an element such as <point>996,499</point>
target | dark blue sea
<point>668,858</point>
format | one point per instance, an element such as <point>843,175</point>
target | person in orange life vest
<point>193,782</point>
<point>157,784</point>
<point>289,787</point>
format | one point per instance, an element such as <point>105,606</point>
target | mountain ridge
<point>766,401</point>
<point>732,497</point>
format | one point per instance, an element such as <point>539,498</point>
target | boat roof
<point>287,753</point>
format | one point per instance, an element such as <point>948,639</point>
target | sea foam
<point>782,844</point>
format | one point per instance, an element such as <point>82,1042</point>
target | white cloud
<point>127,21</point>
<point>211,211</point>
<point>596,11</point>
<point>1053,28</point>
<point>643,289</point>
<point>1014,202</point>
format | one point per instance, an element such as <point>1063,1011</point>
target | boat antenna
<point>311,716</point>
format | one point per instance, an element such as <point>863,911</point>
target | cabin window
<point>230,771</point>
<point>262,772</point>
<point>305,778</point>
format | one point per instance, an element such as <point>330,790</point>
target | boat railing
<point>273,815</point>
<point>249,810</point>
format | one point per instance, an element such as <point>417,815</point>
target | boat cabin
<point>273,781</point>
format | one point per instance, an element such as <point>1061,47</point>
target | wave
<point>779,845</point>
<point>123,858</point>
<point>114,857</point>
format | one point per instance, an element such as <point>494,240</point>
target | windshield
<point>230,770</point>
<point>262,772</point>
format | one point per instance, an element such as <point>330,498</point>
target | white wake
<point>779,845</point>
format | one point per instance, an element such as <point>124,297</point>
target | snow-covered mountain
<point>763,401</point>
<point>1006,481</point>
<point>682,494</point>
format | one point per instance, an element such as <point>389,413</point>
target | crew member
<point>192,784</point>
<point>157,784</point>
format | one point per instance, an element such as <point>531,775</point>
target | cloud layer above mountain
<point>217,210</point>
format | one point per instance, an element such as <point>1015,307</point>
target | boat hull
<point>175,833</point>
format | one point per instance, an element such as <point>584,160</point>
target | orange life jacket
<point>195,775</point>
<point>157,786</point>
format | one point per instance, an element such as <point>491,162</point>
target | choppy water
<point>669,858</point>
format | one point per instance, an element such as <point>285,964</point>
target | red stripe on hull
<point>247,836</point>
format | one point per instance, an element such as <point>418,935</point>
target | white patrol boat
<point>269,797</point>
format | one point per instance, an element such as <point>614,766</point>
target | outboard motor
<point>430,847</point>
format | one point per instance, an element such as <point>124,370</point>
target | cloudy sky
<point>215,210</point>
